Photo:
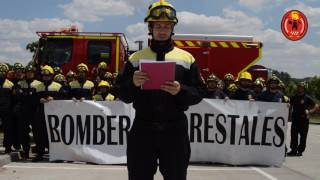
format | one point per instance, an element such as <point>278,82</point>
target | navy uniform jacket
<point>158,105</point>
<point>216,94</point>
<point>300,103</point>
<point>6,95</point>
<point>242,94</point>
<point>268,96</point>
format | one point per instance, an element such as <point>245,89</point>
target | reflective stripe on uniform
<point>7,84</point>
<point>53,87</point>
<point>76,85</point>
<point>181,57</point>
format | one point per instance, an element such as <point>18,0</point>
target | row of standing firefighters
<point>22,100</point>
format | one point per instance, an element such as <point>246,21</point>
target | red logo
<point>294,25</point>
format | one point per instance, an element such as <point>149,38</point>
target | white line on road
<point>263,173</point>
<point>117,168</point>
<point>64,168</point>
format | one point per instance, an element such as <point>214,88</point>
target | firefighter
<point>159,131</point>
<point>257,88</point>
<point>227,80</point>
<point>102,69</point>
<point>6,89</point>
<point>65,89</point>
<point>244,91</point>
<point>27,100</point>
<point>232,88</point>
<point>11,75</point>
<point>282,89</point>
<point>301,107</point>
<point>213,90</point>
<point>272,94</point>
<point>108,77</point>
<point>57,70</point>
<point>81,89</point>
<point>103,92</point>
<point>46,91</point>
<point>70,76</point>
<point>19,71</point>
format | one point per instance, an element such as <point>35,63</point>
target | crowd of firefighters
<point>25,90</point>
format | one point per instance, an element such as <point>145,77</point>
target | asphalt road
<point>295,168</point>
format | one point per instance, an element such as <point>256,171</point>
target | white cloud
<point>18,33</point>
<point>299,59</point>
<point>136,32</point>
<point>96,10</point>
<point>257,5</point>
<point>232,22</point>
<point>312,13</point>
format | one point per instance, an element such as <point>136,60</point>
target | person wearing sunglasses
<point>159,132</point>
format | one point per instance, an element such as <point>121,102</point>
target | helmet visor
<point>161,11</point>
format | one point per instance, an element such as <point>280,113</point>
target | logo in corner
<point>294,25</point>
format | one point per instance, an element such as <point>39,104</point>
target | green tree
<point>291,88</point>
<point>314,87</point>
<point>32,47</point>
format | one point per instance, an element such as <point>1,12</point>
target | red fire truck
<point>218,54</point>
<point>221,54</point>
<point>67,48</point>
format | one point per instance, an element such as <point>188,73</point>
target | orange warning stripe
<point>215,44</point>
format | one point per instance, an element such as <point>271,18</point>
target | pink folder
<point>158,72</point>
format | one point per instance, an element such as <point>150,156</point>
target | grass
<point>315,118</point>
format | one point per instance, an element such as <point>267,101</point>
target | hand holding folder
<point>158,73</point>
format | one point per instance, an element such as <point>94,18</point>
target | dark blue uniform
<point>215,94</point>
<point>241,94</point>
<point>160,131</point>
<point>27,101</point>
<point>6,87</point>
<point>300,121</point>
<point>268,96</point>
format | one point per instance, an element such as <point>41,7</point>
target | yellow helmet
<point>57,70</point>
<point>258,82</point>
<point>103,83</point>
<point>303,84</point>
<point>59,78</point>
<point>82,68</point>
<point>232,88</point>
<point>282,85</point>
<point>274,78</point>
<point>4,68</point>
<point>18,67</point>
<point>212,77</point>
<point>161,11</point>
<point>228,77</point>
<point>245,75</point>
<point>70,73</point>
<point>108,75</point>
<point>47,70</point>
<point>103,65</point>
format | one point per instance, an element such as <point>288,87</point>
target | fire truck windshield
<point>57,52</point>
<point>98,51</point>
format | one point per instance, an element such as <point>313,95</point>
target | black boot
<point>292,153</point>
<point>37,158</point>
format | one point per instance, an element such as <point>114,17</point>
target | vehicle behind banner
<point>67,48</point>
<point>222,54</point>
<point>218,54</point>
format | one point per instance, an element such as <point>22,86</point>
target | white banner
<point>231,132</point>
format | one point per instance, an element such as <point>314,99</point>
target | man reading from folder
<point>159,132</point>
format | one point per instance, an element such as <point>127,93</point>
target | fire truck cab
<point>221,54</point>
<point>68,48</point>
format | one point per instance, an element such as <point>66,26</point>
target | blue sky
<point>259,18</point>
